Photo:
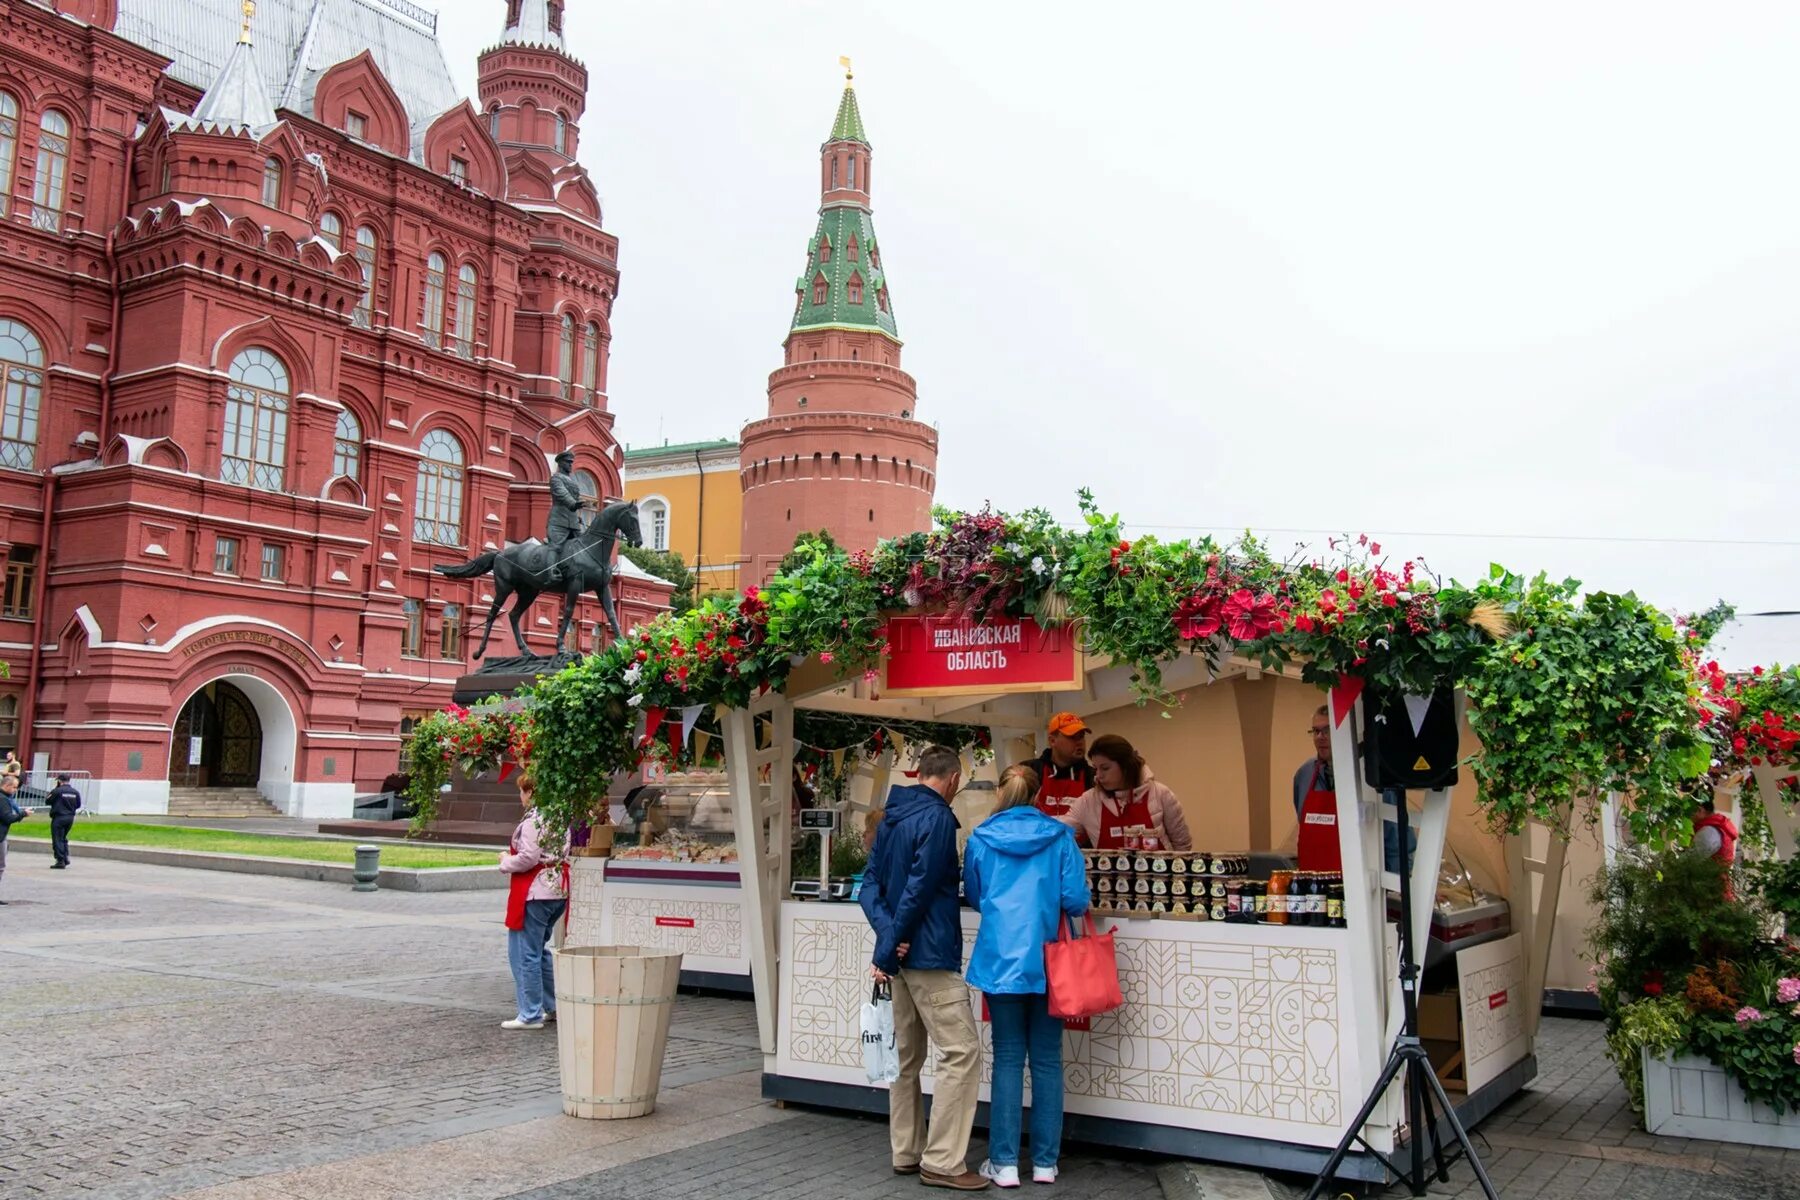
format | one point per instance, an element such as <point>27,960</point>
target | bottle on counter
<point>1334,903</point>
<point>1279,882</point>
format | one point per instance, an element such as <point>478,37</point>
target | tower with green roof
<point>841,448</point>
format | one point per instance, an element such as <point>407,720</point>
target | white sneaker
<point>1043,1174</point>
<point>1006,1177</point>
<point>515,1023</point>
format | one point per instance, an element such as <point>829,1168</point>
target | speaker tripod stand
<point>1423,1088</point>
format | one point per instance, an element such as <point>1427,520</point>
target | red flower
<point>1374,547</point>
<point>1343,575</point>
<point>1197,618</point>
<point>1327,600</point>
<point>1304,623</point>
<point>1389,599</point>
<point>1248,616</point>
<point>1653,989</point>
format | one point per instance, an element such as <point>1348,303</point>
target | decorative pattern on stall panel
<point>717,929</point>
<point>587,885</point>
<point>1206,1026</point>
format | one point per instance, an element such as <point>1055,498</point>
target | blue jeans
<point>534,985</point>
<point>1023,1027</point>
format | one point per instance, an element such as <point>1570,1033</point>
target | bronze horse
<point>529,568</point>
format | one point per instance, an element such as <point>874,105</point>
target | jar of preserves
<point>1279,882</point>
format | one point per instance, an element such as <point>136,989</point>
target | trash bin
<point>613,1005</point>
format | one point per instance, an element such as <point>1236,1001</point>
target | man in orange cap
<point>1062,770</point>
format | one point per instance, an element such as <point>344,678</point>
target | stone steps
<point>219,803</point>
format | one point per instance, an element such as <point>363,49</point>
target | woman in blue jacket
<point>1022,870</point>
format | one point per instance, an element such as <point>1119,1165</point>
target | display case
<point>685,818</point>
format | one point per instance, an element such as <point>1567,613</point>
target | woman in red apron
<point>537,897</point>
<point>1126,802</point>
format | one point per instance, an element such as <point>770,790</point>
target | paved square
<point>174,1033</point>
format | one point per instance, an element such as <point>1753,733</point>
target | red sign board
<point>675,922</point>
<point>937,656</point>
<point>1497,1000</point>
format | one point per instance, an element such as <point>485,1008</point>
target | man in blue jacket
<point>909,894</point>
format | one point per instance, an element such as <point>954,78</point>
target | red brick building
<point>284,323</point>
<point>841,448</point>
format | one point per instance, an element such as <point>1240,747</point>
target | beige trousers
<point>934,1005</point>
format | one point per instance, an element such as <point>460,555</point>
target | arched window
<point>852,249</point>
<point>331,229</point>
<point>437,509</point>
<point>346,455</point>
<point>256,421</point>
<point>565,360</point>
<point>655,514</point>
<point>365,258</point>
<point>588,485</point>
<point>819,290</point>
<point>462,337</point>
<point>562,132</point>
<point>52,187</point>
<point>9,718</point>
<point>852,170</point>
<point>881,300</point>
<point>590,361</point>
<point>435,282</point>
<point>412,640</point>
<point>22,377</point>
<point>450,634</point>
<point>9,148</point>
<point>271,192</point>
<point>853,291</point>
<point>494,122</point>
<point>824,249</point>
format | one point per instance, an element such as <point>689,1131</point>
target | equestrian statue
<point>569,561</point>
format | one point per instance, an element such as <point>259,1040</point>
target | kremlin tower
<point>841,449</point>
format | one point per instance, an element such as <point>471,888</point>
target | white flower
<point>632,673</point>
<point>1403,595</point>
<point>1014,549</point>
<point>637,700</point>
<point>1037,565</point>
<point>1382,642</point>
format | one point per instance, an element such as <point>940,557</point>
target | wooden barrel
<point>613,1005</point>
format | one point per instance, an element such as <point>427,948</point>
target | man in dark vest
<point>64,801</point>
<point>566,503</point>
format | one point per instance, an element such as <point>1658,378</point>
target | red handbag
<point>1082,973</point>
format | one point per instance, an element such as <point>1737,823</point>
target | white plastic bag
<point>881,1053</point>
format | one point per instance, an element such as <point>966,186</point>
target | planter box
<point>1690,1097</point>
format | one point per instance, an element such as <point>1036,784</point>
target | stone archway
<point>236,731</point>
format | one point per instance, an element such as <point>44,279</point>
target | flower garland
<point>1571,696</point>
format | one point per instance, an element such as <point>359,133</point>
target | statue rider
<point>566,503</point>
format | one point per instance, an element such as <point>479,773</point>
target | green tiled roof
<point>844,226</point>
<point>632,452</point>
<point>848,127</point>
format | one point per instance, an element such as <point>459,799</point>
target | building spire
<point>237,99</point>
<point>535,23</point>
<point>849,124</point>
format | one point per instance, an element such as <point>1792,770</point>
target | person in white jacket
<point>537,899</point>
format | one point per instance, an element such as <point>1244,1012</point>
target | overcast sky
<point>1430,271</point>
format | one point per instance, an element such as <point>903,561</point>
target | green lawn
<point>225,841</point>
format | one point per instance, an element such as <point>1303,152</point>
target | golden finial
<point>249,15</point>
<point>844,62</point>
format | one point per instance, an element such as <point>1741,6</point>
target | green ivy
<point>1657,1025</point>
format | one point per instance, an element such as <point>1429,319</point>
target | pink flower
<point>1746,1014</point>
<point>1787,990</point>
<point>825,656</point>
<point>1797,1054</point>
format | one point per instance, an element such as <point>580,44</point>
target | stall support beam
<point>1365,912</point>
<point>761,814</point>
<point>1781,821</point>
<point>1537,908</point>
<point>1255,699</point>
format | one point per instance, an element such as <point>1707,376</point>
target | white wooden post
<point>763,826</point>
<point>1609,828</point>
<point>1781,821</point>
<point>1365,912</point>
<point>1534,910</point>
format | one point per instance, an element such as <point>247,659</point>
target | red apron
<point>1112,828</point>
<point>518,889</point>
<point>1320,849</point>
<point>1056,797</point>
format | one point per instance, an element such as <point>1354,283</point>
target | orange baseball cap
<point>1068,724</point>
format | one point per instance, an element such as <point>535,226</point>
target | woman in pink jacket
<point>537,899</point>
<point>1125,796</point>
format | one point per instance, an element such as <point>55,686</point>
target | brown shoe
<point>912,1170</point>
<point>968,1181</point>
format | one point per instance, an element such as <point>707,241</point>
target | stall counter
<point>696,908</point>
<point>1231,1029</point>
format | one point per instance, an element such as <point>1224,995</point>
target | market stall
<point>1241,1040</point>
<point>1251,1040</point>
